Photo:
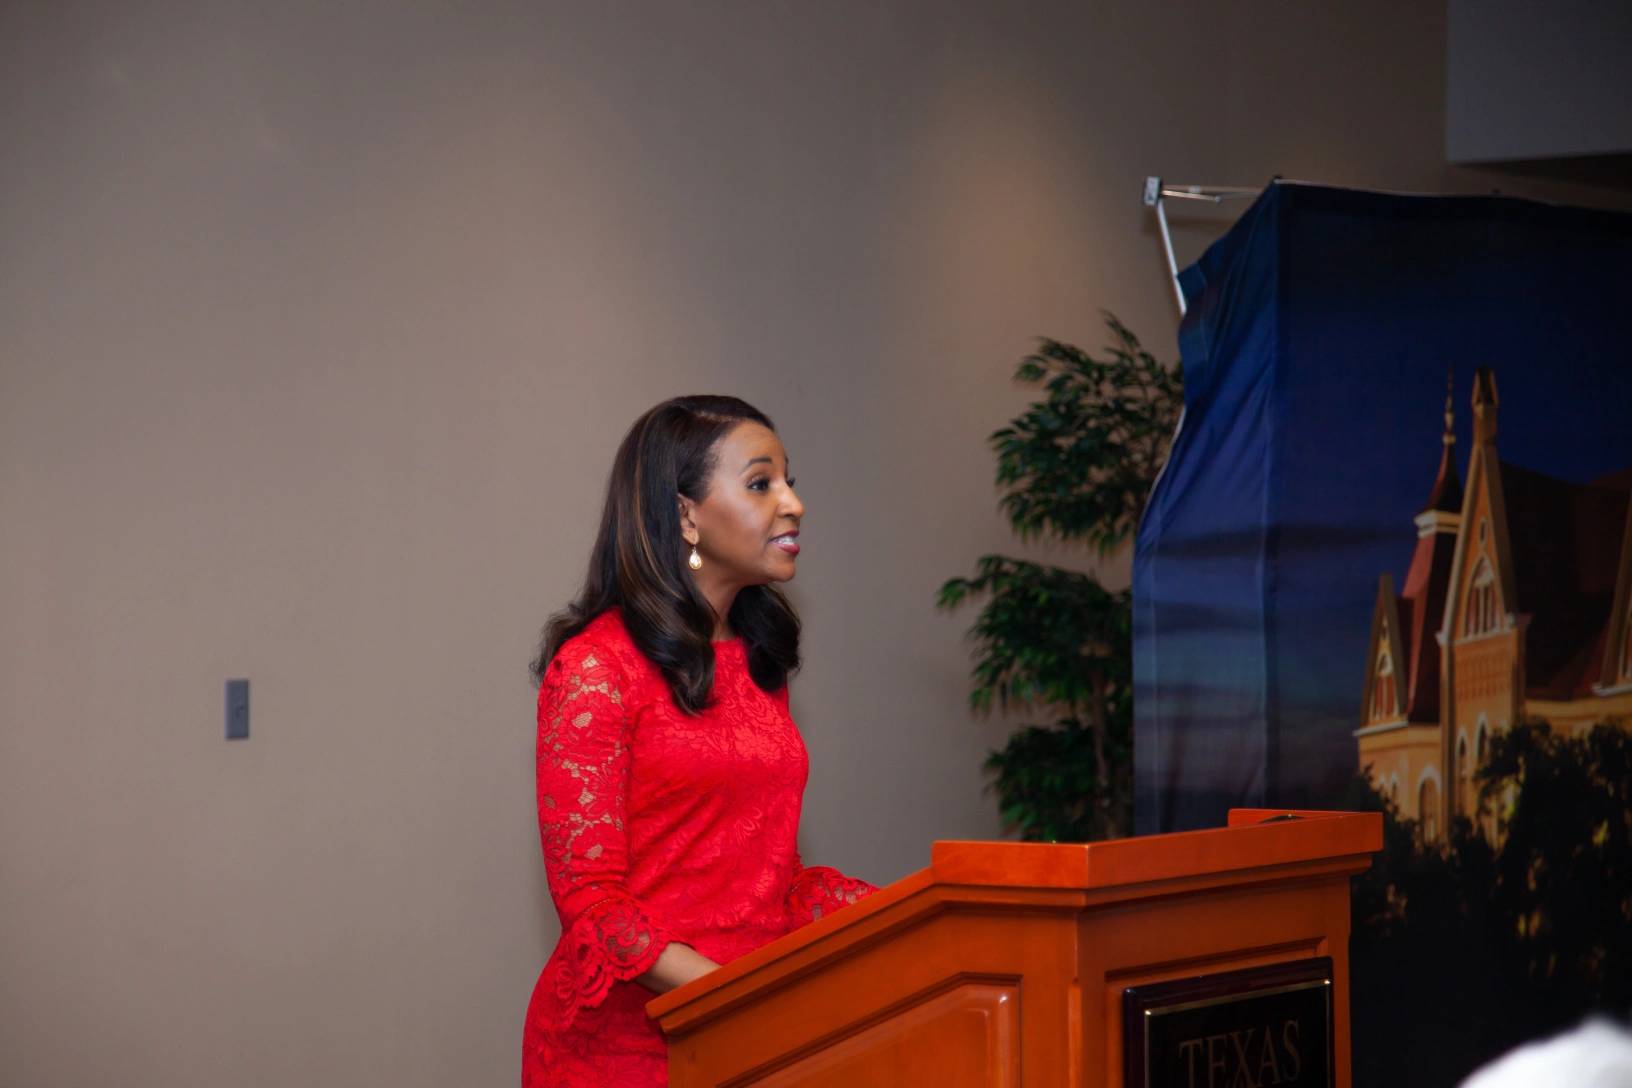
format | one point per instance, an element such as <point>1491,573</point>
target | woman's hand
<point>676,965</point>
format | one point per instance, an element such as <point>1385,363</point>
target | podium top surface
<point>1254,839</point>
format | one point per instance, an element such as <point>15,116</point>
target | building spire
<point>1484,407</point>
<point>1446,497</point>
<point>1449,437</point>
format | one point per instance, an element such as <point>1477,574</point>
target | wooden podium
<point>1011,963</point>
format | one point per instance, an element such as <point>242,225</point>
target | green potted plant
<point>1075,466</point>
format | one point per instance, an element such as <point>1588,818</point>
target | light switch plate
<point>237,709</point>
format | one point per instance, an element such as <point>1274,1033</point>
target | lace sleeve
<point>583,768</point>
<point>818,890</point>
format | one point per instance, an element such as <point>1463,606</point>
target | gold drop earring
<point>696,561</point>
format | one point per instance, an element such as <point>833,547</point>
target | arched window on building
<point>1382,689</point>
<point>1481,742</point>
<point>1480,617</point>
<point>1428,809</point>
<point>1463,770</point>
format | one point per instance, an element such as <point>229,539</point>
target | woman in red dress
<point>670,774</point>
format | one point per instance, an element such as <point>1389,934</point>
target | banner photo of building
<point>1395,519</point>
<point>1514,608</point>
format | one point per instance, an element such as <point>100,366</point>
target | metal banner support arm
<point>1156,196</point>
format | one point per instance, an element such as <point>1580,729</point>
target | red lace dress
<point>657,827</point>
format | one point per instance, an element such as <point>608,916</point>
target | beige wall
<point>318,325</point>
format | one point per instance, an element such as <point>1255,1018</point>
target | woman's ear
<point>688,521</point>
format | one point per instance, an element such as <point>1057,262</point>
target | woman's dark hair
<point>638,563</point>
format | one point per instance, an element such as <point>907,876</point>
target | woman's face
<point>746,528</point>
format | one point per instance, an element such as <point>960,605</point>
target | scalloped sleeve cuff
<point>613,941</point>
<point>819,891</point>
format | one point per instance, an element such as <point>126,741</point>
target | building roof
<point>1421,606</point>
<point>1566,543</point>
<point>1421,602</point>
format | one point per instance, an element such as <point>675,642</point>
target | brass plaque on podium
<point>1261,1027</point>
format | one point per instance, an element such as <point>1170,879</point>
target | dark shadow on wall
<point>1612,173</point>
